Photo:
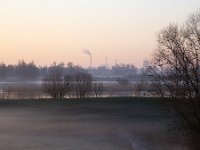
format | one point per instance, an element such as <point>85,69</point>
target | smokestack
<point>116,62</point>
<point>106,61</point>
<point>87,52</point>
<point>90,61</point>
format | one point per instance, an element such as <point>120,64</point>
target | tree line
<point>21,71</point>
<point>28,71</point>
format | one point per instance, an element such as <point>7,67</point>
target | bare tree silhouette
<point>56,84</point>
<point>176,65</point>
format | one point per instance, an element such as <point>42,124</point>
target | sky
<point>124,31</point>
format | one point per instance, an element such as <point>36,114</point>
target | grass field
<point>89,124</point>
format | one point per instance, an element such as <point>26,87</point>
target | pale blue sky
<point>58,30</point>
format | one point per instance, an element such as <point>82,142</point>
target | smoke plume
<point>87,52</point>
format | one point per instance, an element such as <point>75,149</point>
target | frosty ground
<point>89,124</point>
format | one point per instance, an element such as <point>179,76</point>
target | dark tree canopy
<point>26,71</point>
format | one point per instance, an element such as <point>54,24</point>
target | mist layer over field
<point>103,124</point>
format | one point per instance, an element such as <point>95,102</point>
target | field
<point>90,124</point>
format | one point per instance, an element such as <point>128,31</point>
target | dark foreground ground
<point>102,124</point>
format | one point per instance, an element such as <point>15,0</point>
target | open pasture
<point>88,124</point>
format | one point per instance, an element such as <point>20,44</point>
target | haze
<point>59,30</point>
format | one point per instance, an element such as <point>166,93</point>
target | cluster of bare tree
<point>176,68</point>
<point>74,83</point>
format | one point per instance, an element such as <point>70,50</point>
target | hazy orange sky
<point>59,30</point>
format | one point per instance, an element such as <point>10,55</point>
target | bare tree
<point>71,80</point>
<point>176,65</point>
<point>97,88</point>
<point>82,84</point>
<point>56,84</point>
<point>139,89</point>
